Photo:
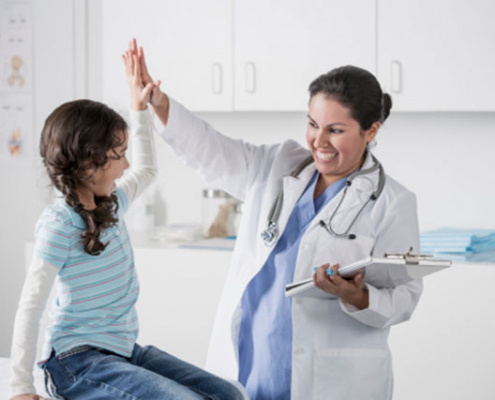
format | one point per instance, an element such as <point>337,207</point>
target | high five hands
<point>137,71</point>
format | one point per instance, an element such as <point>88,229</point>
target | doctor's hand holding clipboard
<point>305,206</point>
<point>351,291</point>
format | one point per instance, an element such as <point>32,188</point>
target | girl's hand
<point>351,291</point>
<point>140,92</point>
<point>158,98</point>
<point>27,397</point>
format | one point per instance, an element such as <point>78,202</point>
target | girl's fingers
<point>132,45</point>
<point>132,64</point>
<point>137,70</point>
<point>126,64</point>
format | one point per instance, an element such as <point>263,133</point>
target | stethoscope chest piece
<point>270,233</point>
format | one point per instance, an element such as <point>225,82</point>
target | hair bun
<point>386,106</point>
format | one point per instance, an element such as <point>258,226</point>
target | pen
<point>328,271</point>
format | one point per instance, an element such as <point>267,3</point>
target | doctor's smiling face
<point>335,139</point>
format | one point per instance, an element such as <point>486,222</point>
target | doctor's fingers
<point>327,287</point>
<point>359,281</point>
<point>144,68</point>
<point>321,279</point>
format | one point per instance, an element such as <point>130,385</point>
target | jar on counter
<point>219,213</point>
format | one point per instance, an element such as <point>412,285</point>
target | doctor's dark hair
<point>356,89</point>
<point>76,137</point>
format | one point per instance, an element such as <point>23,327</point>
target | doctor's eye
<point>335,130</point>
<point>312,124</point>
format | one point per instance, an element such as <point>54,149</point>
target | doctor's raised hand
<point>158,98</point>
<point>303,206</point>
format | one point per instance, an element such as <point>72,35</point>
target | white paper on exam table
<point>392,272</point>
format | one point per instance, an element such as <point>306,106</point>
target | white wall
<point>446,158</point>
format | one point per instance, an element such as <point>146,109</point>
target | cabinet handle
<point>250,77</point>
<point>216,78</point>
<point>396,76</point>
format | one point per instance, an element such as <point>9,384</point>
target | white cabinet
<point>437,55</point>
<point>282,46</point>
<point>188,45</point>
<point>223,55</point>
<point>447,351</point>
<point>254,55</point>
<point>179,293</point>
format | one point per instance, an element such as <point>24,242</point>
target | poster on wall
<point>16,115</point>
<point>15,46</point>
<point>16,79</point>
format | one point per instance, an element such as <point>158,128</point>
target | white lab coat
<point>339,352</point>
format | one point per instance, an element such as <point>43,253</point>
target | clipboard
<point>393,269</point>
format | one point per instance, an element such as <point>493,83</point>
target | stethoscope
<point>270,233</point>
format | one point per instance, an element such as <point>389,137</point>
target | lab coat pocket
<point>358,374</point>
<point>342,251</point>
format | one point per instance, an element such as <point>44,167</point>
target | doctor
<point>306,348</point>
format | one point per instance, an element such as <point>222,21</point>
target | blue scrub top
<point>265,337</point>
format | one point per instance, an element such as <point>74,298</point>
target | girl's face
<point>102,181</point>
<point>335,139</point>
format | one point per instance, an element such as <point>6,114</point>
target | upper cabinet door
<point>437,55</point>
<point>188,46</point>
<point>281,46</point>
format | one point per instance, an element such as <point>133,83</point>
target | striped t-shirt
<point>96,295</point>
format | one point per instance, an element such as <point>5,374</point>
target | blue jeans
<point>90,373</point>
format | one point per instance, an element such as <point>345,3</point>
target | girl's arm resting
<point>34,296</point>
<point>143,163</point>
<point>392,306</point>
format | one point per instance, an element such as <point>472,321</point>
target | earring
<point>372,144</point>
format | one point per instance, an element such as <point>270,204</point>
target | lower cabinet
<point>446,350</point>
<point>180,291</point>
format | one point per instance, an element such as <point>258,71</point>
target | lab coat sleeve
<point>143,168</point>
<point>229,164</point>
<point>35,293</point>
<point>398,231</point>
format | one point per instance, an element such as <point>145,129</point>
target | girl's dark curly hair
<point>76,137</point>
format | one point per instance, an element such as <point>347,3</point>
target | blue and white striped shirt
<point>95,294</point>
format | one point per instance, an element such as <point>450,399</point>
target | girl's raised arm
<point>143,164</point>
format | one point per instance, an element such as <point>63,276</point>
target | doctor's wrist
<point>162,109</point>
<point>360,299</point>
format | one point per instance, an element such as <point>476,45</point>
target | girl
<point>82,244</point>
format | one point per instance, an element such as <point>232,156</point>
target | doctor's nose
<point>320,139</point>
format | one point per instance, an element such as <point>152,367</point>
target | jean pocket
<point>350,373</point>
<point>50,386</point>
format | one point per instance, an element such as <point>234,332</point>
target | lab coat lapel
<point>293,189</point>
